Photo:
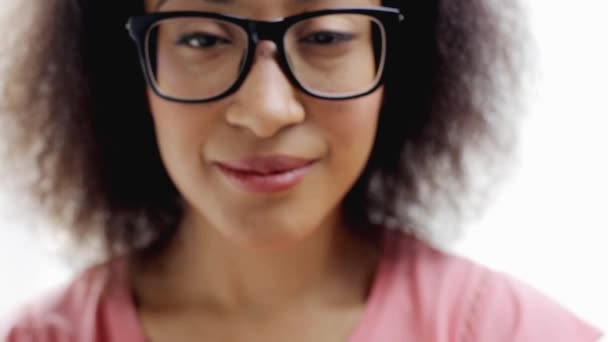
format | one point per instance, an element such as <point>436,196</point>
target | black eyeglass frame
<point>138,27</point>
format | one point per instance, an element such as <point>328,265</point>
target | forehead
<point>254,8</point>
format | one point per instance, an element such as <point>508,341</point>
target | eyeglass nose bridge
<point>267,30</point>
<point>272,31</point>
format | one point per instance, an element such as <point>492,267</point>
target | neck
<point>203,268</point>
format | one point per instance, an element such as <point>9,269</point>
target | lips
<point>266,165</point>
<point>265,175</point>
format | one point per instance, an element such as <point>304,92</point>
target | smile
<point>266,175</point>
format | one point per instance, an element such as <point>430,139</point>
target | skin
<point>244,266</point>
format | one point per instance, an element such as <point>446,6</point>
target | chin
<point>267,237</point>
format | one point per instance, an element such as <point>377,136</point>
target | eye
<point>327,37</point>
<point>201,40</point>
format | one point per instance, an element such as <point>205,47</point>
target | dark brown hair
<point>73,97</point>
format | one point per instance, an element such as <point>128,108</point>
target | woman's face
<point>267,165</point>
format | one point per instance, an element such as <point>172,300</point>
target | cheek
<point>350,128</point>
<point>181,130</point>
<point>172,135</point>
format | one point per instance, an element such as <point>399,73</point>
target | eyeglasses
<point>202,56</point>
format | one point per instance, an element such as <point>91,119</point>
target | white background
<point>550,225</point>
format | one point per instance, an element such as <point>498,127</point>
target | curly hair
<point>74,103</point>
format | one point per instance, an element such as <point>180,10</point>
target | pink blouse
<point>419,294</point>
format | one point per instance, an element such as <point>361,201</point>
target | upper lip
<point>266,164</point>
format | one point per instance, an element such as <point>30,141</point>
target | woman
<point>247,182</point>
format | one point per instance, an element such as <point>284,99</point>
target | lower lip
<point>266,184</point>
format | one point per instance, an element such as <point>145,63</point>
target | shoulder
<point>64,314</point>
<point>462,300</point>
<point>507,307</point>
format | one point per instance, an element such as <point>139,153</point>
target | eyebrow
<point>162,2</point>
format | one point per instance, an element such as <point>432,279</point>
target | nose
<point>266,102</point>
